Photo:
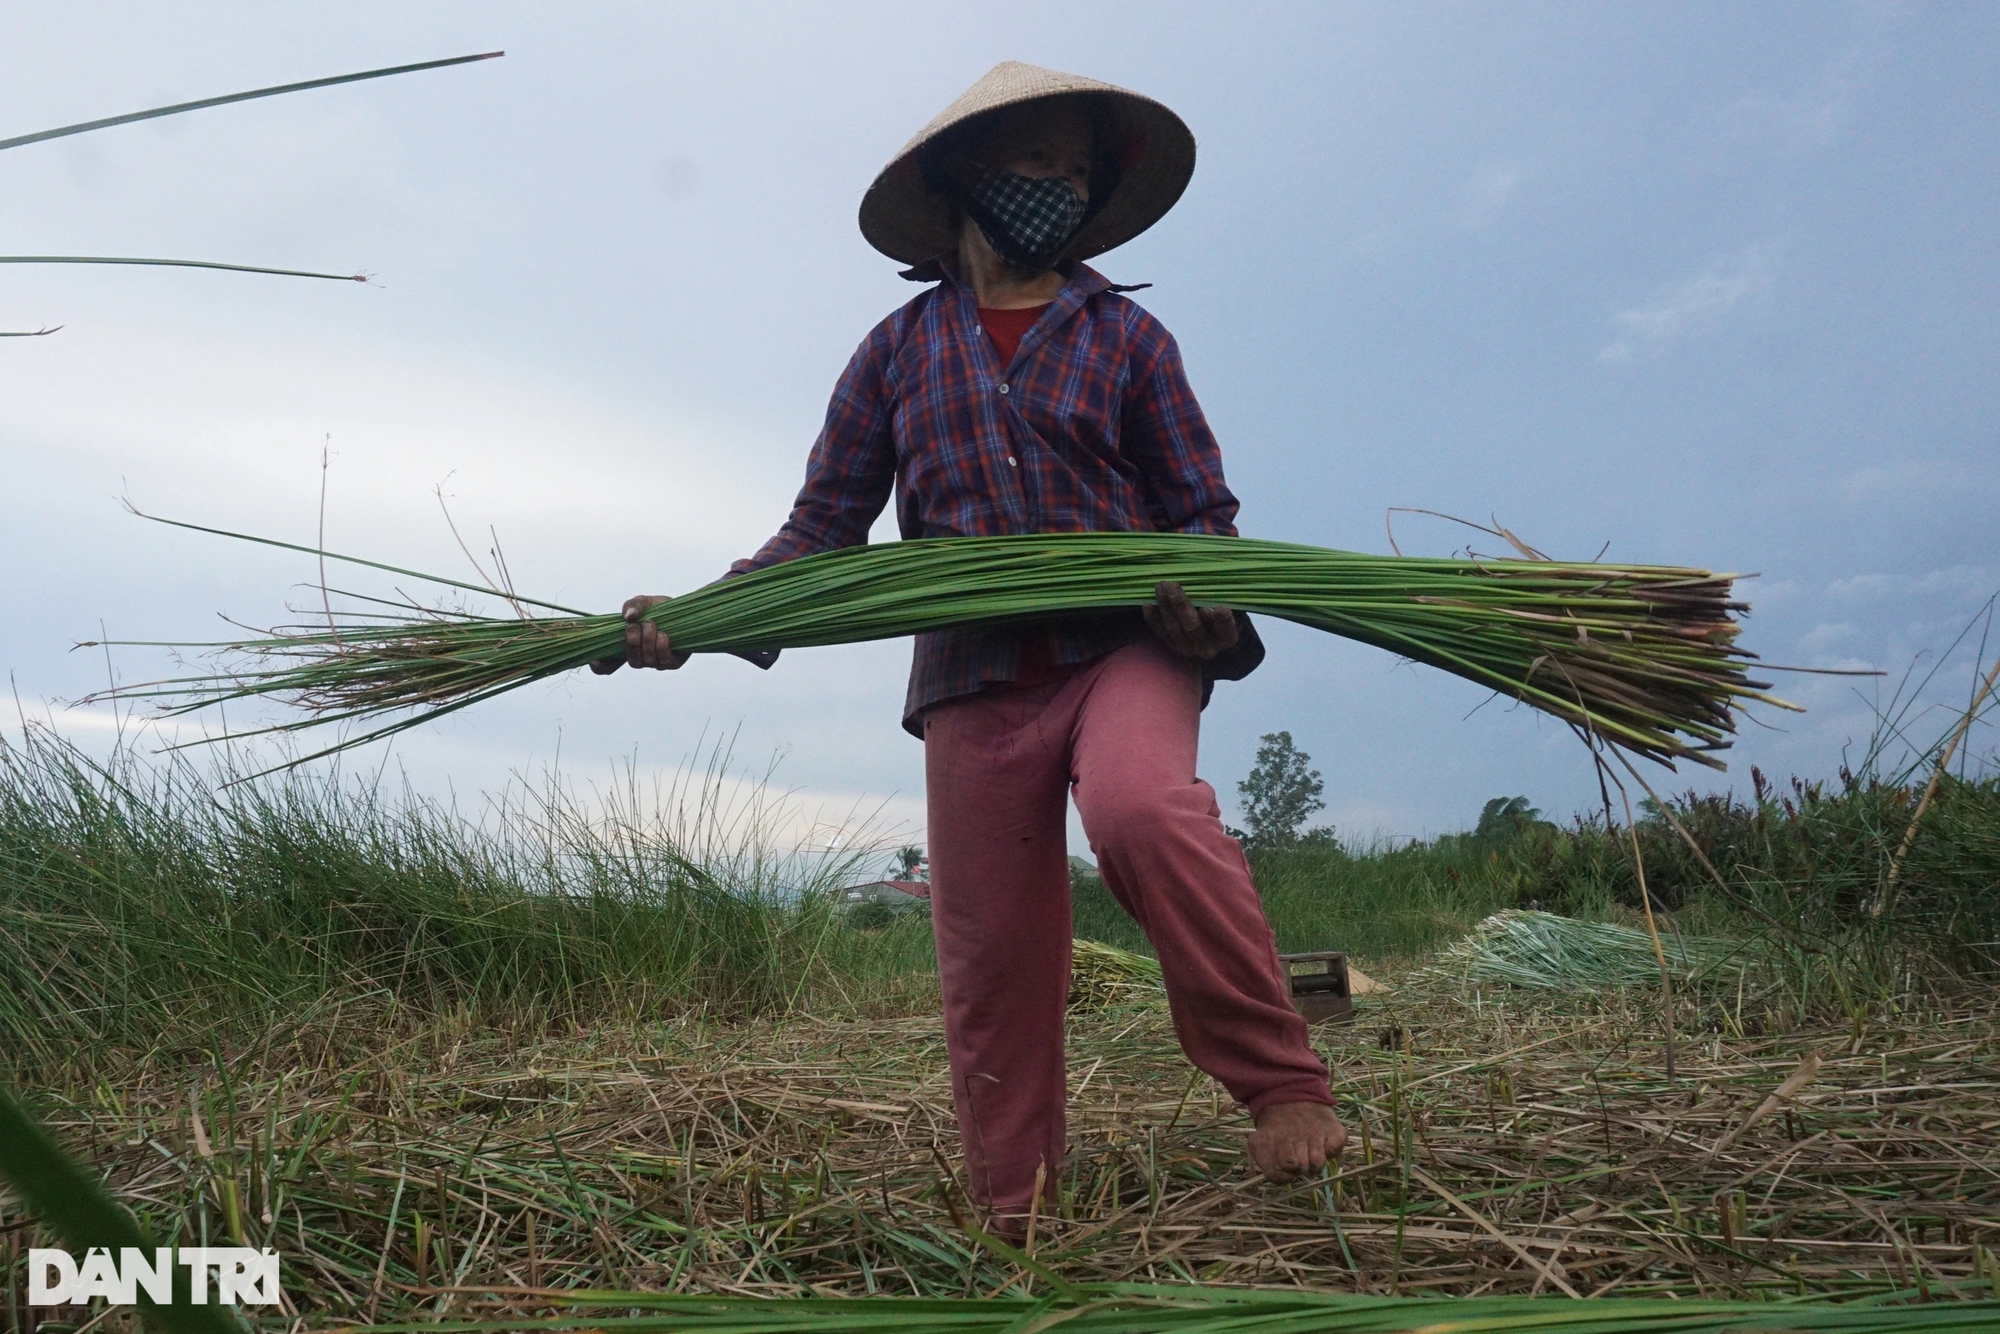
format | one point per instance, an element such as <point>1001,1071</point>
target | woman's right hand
<point>645,643</point>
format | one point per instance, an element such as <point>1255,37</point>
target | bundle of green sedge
<point>1637,656</point>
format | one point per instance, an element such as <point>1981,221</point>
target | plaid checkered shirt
<point>1092,427</point>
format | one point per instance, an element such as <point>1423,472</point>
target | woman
<point>1023,392</point>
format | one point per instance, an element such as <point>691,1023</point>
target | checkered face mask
<point>1027,219</point>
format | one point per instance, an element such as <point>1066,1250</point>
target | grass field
<point>437,1059</point>
<point>149,905</point>
<point>144,904</point>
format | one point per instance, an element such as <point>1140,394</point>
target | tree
<point>870,916</point>
<point>1503,817</point>
<point>1280,794</point>
<point>911,864</point>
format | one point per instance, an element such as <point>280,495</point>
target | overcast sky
<point>1713,283</point>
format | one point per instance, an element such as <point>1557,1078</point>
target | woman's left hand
<point>1191,631</point>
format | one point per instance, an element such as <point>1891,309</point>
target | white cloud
<point>71,721</point>
<point>708,803</point>
<point>196,410</point>
<point>716,813</point>
<point>1684,308</point>
<point>1868,586</point>
<point>1918,480</point>
<point>1817,114</point>
<point>1959,583</point>
<point>1821,638</point>
<point>1772,593</point>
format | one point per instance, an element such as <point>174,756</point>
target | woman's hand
<point>1191,631</point>
<point>645,643</point>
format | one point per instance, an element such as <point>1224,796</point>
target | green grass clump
<point>1387,903</point>
<point>1800,873</point>
<point>145,905</point>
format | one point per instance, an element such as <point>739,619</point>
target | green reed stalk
<point>74,1204</point>
<point>1643,656</point>
<point>22,140</point>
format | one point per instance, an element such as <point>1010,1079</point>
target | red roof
<point>915,889</point>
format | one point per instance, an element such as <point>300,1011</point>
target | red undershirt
<point>1008,327</point>
<point>1005,329</point>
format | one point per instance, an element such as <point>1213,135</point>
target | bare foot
<point>1296,1137</point>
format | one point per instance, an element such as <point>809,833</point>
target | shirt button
<point>1003,386</point>
<point>1011,462</point>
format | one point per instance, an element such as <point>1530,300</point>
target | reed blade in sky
<point>178,108</point>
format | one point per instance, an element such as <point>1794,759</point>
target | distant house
<point>897,895</point>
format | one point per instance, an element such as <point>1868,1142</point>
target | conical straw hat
<point>906,219</point>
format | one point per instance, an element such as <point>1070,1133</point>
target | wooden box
<point>1322,995</point>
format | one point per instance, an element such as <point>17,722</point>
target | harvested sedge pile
<point>1642,656</point>
<point>490,1170</point>
<point>1102,975</point>
<point>1547,952</point>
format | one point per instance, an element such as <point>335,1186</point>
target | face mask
<point>1027,219</point>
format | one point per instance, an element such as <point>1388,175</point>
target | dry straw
<point>1103,975</point>
<point>493,1171</point>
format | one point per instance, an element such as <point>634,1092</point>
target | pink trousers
<point>1121,734</point>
